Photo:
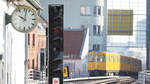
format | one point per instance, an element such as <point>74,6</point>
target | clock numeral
<point>32,24</point>
<point>34,19</point>
<point>24,9</point>
<point>24,28</point>
<point>28,11</point>
<point>32,13</point>
<point>19,27</point>
<point>19,10</point>
<point>29,27</point>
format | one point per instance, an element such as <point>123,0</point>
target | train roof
<point>102,52</point>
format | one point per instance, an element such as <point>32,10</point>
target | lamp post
<point>26,58</point>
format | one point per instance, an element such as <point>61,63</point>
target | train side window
<point>122,59</point>
<point>117,59</point>
<point>134,62</point>
<point>104,58</point>
<point>98,58</point>
<point>111,58</point>
<point>130,61</point>
<point>125,60</point>
<point>107,57</point>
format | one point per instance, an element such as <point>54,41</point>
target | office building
<point>120,22</point>
<point>133,41</point>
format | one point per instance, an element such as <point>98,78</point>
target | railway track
<point>119,80</point>
<point>101,80</point>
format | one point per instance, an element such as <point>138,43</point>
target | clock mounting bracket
<point>7,19</point>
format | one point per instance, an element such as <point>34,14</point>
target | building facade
<point>37,51</point>
<point>3,76</point>
<point>120,22</point>
<point>12,45</point>
<point>84,14</point>
<point>75,51</point>
<point>132,43</point>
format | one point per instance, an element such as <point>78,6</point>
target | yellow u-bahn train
<point>109,64</point>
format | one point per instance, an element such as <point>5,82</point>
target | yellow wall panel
<point>120,21</point>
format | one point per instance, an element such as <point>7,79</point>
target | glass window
<point>96,29</point>
<point>117,59</point>
<point>32,63</point>
<point>42,52</point>
<point>85,10</point>
<point>128,61</point>
<point>97,11</point>
<point>28,39</point>
<point>82,10</point>
<point>103,58</point>
<point>33,42</point>
<point>96,58</point>
<point>107,58</point>
<point>96,47</point>
<point>114,58</point>
<point>111,58</point>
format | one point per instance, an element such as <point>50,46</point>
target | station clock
<point>24,19</point>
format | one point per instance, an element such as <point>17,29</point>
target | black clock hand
<point>22,18</point>
<point>25,13</point>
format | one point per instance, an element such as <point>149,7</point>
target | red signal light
<point>56,31</point>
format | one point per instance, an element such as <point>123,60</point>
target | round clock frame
<point>20,7</point>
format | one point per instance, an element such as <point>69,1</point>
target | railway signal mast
<point>55,45</point>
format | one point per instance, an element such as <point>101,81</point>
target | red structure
<point>36,48</point>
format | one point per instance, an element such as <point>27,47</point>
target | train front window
<point>103,58</point>
<point>96,58</point>
<point>90,58</point>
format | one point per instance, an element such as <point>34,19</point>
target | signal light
<point>56,30</point>
<point>55,43</point>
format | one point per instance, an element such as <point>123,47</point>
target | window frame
<point>96,30</point>
<point>33,41</point>
<point>96,46</point>
<point>97,11</point>
<point>85,10</point>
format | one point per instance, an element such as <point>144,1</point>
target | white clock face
<point>24,19</point>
